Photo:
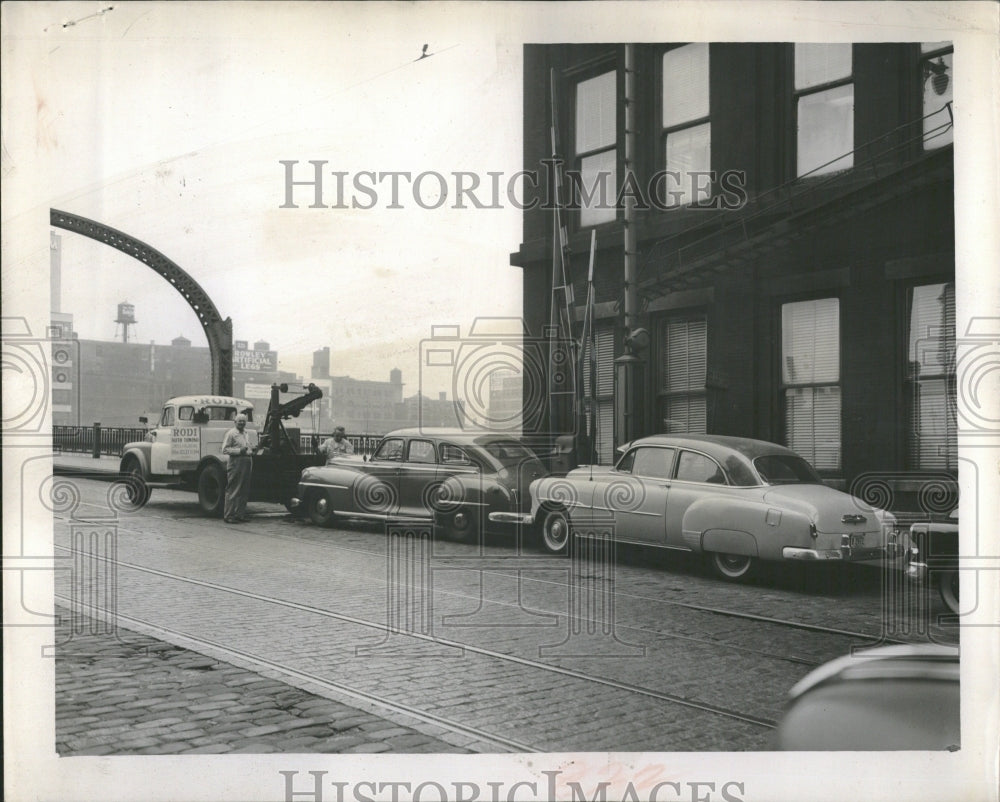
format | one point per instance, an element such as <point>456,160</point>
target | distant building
<point>65,369</point>
<point>506,402</point>
<point>371,407</point>
<point>113,383</point>
<point>422,410</point>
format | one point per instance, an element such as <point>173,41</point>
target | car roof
<point>716,445</point>
<point>458,435</point>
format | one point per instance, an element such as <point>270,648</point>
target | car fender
<point>729,526</point>
<point>465,489</point>
<point>571,493</point>
<point>729,541</point>
<point>350,488</point>
<point>139,450</point>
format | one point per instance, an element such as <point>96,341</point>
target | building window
<point>596,148</point>
<point>810,378</point>
<point>933,439</point>
<point>936,75</point>
<point>824,105</point>
<point>687,132</point>
<point>599,374</point>
<point>683,351</point>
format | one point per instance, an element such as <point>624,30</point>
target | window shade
<point>685,84</point>
<point>810,341</point>
<point>596,109</point>
<point>605,372</point>
<point>933,436</point>
<point>684,354</point>
<point>810,355</point>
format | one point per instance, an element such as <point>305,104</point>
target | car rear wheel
<point>212,490</point>
<point>461,525</point>
<point>555,531</point>
<point>320,509</point>
<point>949,590</point>
<point>136,491</point>
<point>733,567</point>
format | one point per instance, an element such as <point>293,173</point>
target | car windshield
<point>785,469</point>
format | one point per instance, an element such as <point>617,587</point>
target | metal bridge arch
<point>219,332</point>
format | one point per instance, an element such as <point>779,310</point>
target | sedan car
<point>891,697</point>
<point>450,478</point>
<point>738,501</point>
<point>933,557</point>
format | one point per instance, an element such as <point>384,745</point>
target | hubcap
<point>557,532</point>
<point>321,506</point>
<point>733,564</point>
<point>461,521</point>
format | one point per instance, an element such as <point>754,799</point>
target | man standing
<point>237,446</point>
<point>336,446</point>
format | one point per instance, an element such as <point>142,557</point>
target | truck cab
<point>191,428</point>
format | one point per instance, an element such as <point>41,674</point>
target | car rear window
<point>507,451</point>
<point>785,469</point>
<point>694,467</point>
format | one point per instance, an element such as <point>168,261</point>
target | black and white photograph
<point>501,402</point>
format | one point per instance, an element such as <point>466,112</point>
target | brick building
<point>783,237</point>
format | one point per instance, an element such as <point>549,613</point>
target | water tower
<point>126,318</point>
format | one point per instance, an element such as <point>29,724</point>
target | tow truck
<point>183,451</point>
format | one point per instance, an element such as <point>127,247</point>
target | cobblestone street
<point>131,694</point>
<point>271,637</point>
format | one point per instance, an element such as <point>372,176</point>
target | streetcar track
<point>714,643</point>
<point>256,660</point>
<point>801,625</point>
<point>463,647</point>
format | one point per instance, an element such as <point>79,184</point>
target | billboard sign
<point>255,361</point>
<point>256,392</point>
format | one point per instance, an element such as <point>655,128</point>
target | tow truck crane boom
<point>275,439</point>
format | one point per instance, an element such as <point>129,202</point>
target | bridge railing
<point>110,440</point>
<point>94,439</point>
<point>364,444</point>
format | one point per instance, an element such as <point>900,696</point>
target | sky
<point>171,127</point>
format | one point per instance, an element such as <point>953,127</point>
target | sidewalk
<point>67,463</point>
<point>127,693</point>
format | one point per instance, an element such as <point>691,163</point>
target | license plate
<point>857,541</point>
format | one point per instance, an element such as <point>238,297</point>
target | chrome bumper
<point>294,503</point>
<point>917,572</point>
<point>525,518</point>
<point>844,553</point>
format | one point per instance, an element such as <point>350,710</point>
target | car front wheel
<point>320,509</point>
<point>733,567</point>
<point>949,590</point>
<point>555,531</point>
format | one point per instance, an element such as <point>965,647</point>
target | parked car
<point>448,477</point>
<point>933,557</point>
<point>888,698</point>
<point>739,501</point>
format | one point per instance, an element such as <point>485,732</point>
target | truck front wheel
<point>136,491</point>
<point>212,490</point>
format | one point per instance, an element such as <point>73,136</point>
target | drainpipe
<point>628,366</point>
